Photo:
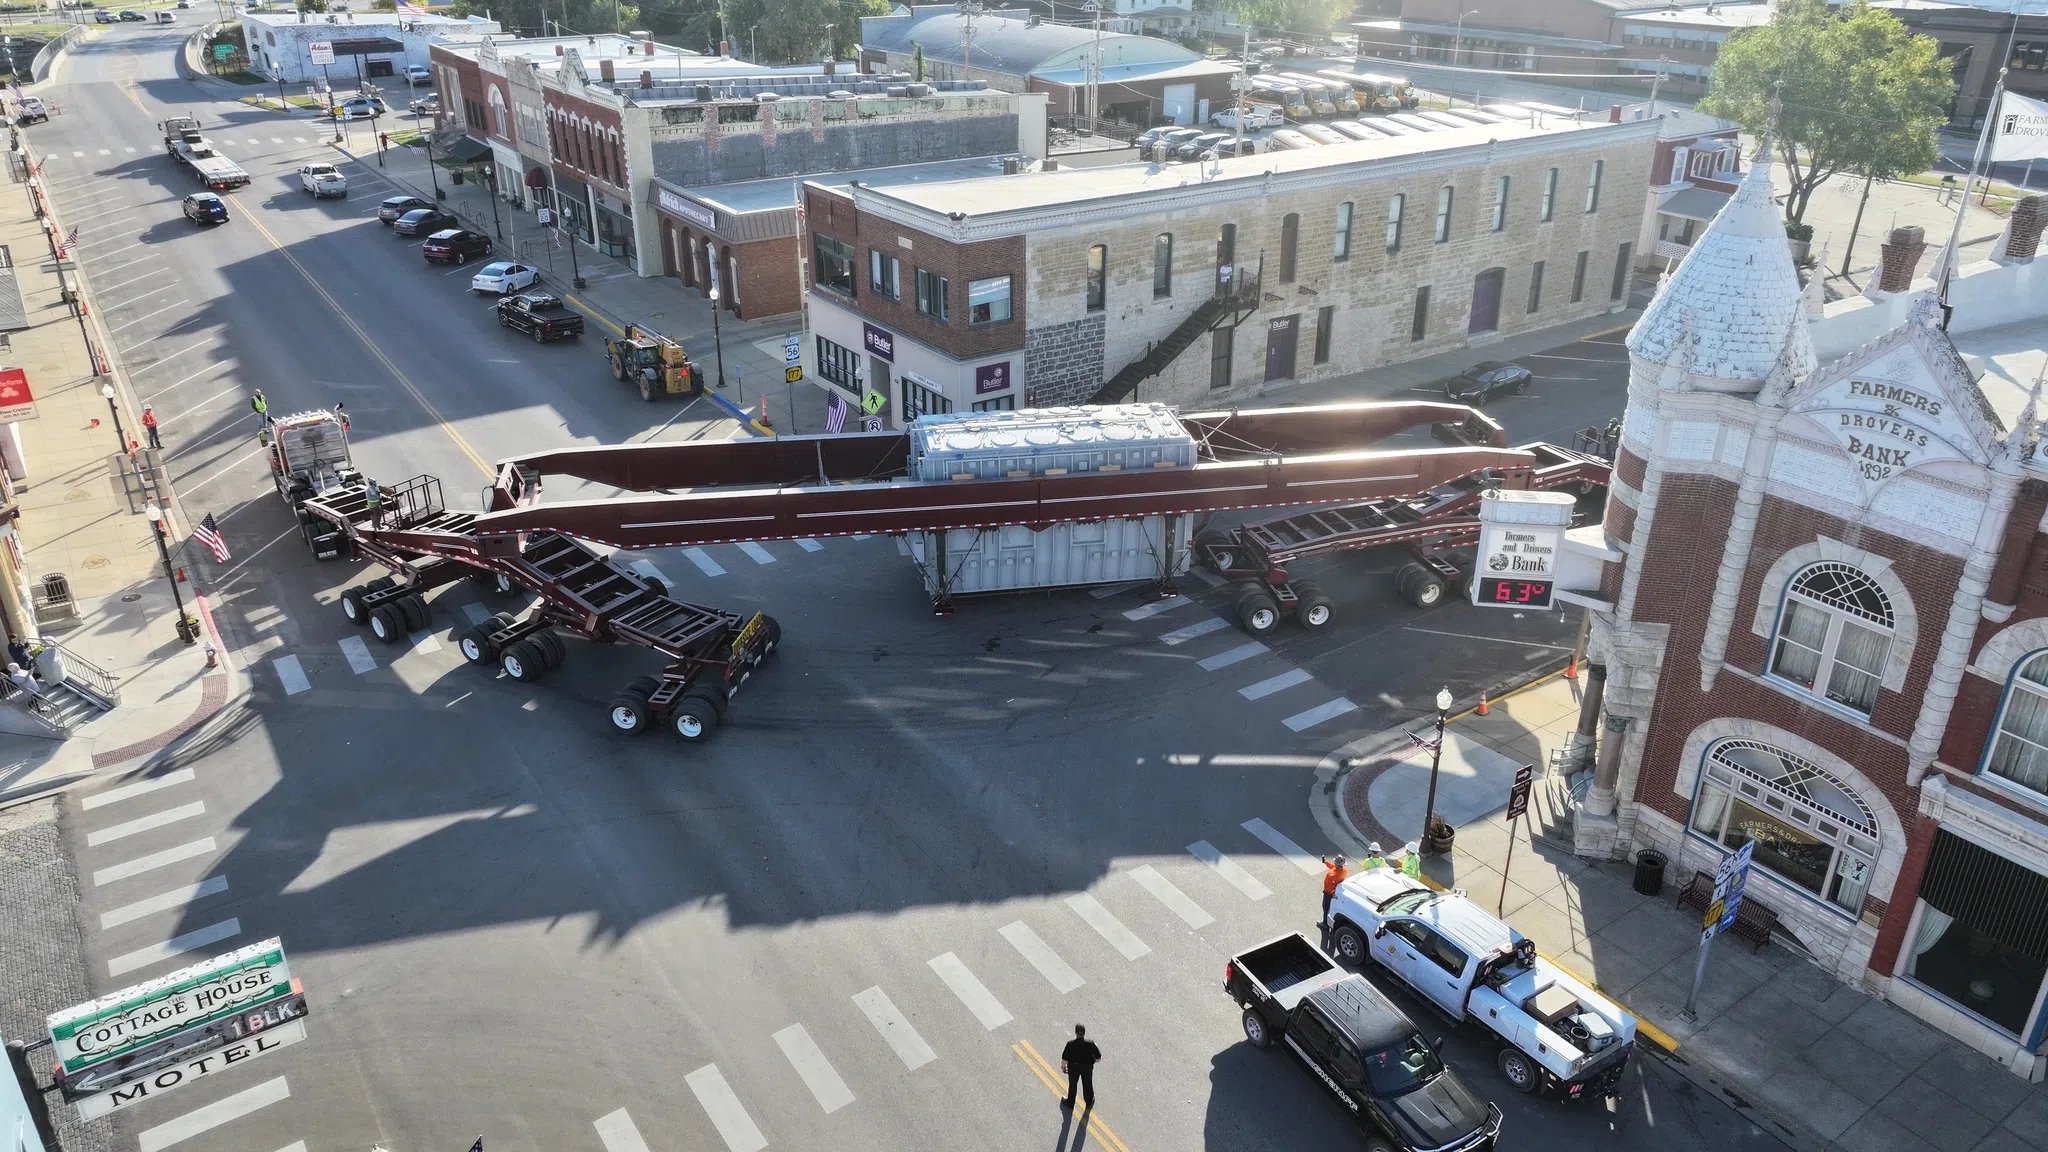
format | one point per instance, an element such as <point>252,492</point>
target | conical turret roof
<point>1734,301</point>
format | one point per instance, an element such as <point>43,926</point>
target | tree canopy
<point>1303,17</point>
<point>1840,91</point>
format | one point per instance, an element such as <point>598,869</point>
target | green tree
<point>384,5</point>
<point>917,63</point>
<point>312,5</point>
<point>1302,17</point>
<point>1851,91</point>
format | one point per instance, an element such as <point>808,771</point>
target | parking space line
<point>704,562</point>
<point>147,315</point>
<point>1279,842</point>
<point>756,553</point>
<point>152,862</point>
<point>1328,710</point>
<point>176,946</point>
<point>817,1073</point>
<point>1146,611</point>
<point>972,993</point>
<point>727,1114</point>
<point>1199,628</point>
<point>214,1115</point>
<point>1229,869</point>
<point>358,654</point>
<point>139,788</point>
<point>1039,955</point>
<point>425,641</point>
<point>1232,656</point>
<point>895,1029</point>
<point>143,824</point>
<point>1176,901</point>
<point>1272,684</point>
<point>290,675</point>
<point>1091,912</point>
<point>810,545</point>
<point>176,898</point>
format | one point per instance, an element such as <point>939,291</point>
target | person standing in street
<point>260,406</point>
<point>1078,1060</point>
<point>1334,873</point>
<point>149,425</point>
<point>1411,864</point>
<point>1375,857</point>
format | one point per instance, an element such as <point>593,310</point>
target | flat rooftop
<point>1728,16</point>
<point>780,191</point>
<point>2006,360</point>
<point>1037,190</point>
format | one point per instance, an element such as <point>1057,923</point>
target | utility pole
<point>1655,83</point>
<point>968,11</point>
<point>1095,68</point>
<point>1242,82</point>
<point>1856,227</point>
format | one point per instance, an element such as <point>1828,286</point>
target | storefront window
<point>1981,938</point>
<point>996,404</point>
<point>919,400</point>
<point>1809,828</point>
<point>838,364</point>
<point>614,234</point>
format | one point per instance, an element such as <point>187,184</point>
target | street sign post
<point>184,1072</point>
<point>792,351</point>
<point>1518,805</point>
<point>871,423</point>
<point>871,403</point>
<point>320,53</point>
<point>1729,881</point>
<point>792,374</point>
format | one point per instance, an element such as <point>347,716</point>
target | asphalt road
<point>865,916</point>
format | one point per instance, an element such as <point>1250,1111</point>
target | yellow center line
<point>1051,1080</point>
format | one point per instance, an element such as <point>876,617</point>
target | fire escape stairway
<point>1235,303</point>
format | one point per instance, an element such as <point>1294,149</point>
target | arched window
<point>2019,751</point>
<point>1810,829</point>
<point>1834,632</point>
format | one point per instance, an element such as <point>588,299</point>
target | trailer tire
<point>1256,611</point>
<point>659,585</point>
<point>417,614</point>
<point>499,621</point>
<point>352,605</point>
<point>387,623</point>
<point>648,391</point>
<point>550,643</point>
<point>1426,589</point>
<point>524,661</point>
<point>1314,611</point>
<point>1403,575</point>
<point>1207,539</point>
<point>618,367</point>
<point>380,584</point>
<point>630,713</point>
<point>476,646</point>
<point>1519,1071</point>
<point>492,580</point>
<point>697,716</point>
<point>1350,945</point>
<point>1255,1030</point>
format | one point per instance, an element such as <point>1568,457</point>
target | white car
<point>503,278</point>
<point>1255,117</point>
<point>323,180</point>
<point>417,74</point>
<point>359,108</point>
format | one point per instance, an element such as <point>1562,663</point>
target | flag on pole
<point>411,10</point>
<point>2022,129</point>
<point>1422,741</point>
<point>208,533</point>
<point>70,242</point>
<point>835,413</point>
<point>40,163</point>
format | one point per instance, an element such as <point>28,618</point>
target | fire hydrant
<point>212,655</point>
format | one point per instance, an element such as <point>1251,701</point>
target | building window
<point>2019,750</point>
<point>1221,343</point>
<point>1593,186</point>
<point>1500,204</point>
<point>1395,205</point>
<point>1290,234</point>
<point>1419,326</point>
<point>1549,194</point>
<point>931,296</point>
<point>996,404</point>
<point>882,273</point>
<point>1980,937</point>
<point>1619,288</point>
<point>1536,287</point>
<point>1340,249</point>
<point>834,262</point>
<point>1834,632</point>
<point>838,364</point>
<point>1579,279</point>
<point>1326,316</point>
<point>1098,277</point>
<point>919,400</point>
<point>1162,265</point>
<point>988,301</point>
<point>1443,213</point>
<point>1810,829</point>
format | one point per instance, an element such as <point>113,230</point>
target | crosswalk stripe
<point>291,675</point>
<point>883,1014</point>
<point>153,861</point>
<point>425,642</point>
<point>214,1115</point>
<point>1040,955</point>
<point>1329,710</point>
<point>1234,655</point>
<point>971,991</point>
<point>618,1133</point>
<point>255,143</point>
<point>1090,910</point>
<point>1272,684</point>
<point>298,139</point>
<point>818,1075</point>
<point>358,654</point>
<point>76,155</point>
<point>144,823</point>
<point>646,568</point>
<point>1230,870</point>
<point>106,151</point>
<point>1278,841</point>
<point>139,788</point>
<point>176,946</point>
<point>810,545</point>
<point>1176,901</point>
<point>727,1114</point>
<point>296,1145</point>
<point>1199,628</point>
<point>164,902</point>
<point>704,562</point>
<point>1147,611</point>
<point>475,612</point>
<point>277,139</point>
<point>127,149</point>
<point>756,553</point>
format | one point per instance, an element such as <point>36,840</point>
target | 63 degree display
<point>1506,591</point>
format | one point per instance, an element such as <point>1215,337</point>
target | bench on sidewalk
<point>1753,921</point>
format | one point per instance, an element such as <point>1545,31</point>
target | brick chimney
<point>604,69</point>
<point>2023,231</point>
<point>1898,256</point>
<point>1614,113</point>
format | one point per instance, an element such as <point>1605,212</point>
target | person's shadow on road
<point>1067,1125</point>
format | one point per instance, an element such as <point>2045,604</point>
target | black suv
<point>455,246</point>
<point>1483,381</point>
<point>205,208</point>
<point>422,222</point>
<point>392,207</point>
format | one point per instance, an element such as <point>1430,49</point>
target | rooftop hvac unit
<point>703,93</point>
<point>917,89</point>
<point>1009,165</point>
<point>646,78</point>
<point>839,94</point>
<point>899,90</point>
<point>766,97</point>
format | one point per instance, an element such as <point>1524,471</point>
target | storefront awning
<point>469,150</point>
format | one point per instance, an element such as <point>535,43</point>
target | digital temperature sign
<point>1509,592</point>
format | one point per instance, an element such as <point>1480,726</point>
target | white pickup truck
<point>1556,1032</point>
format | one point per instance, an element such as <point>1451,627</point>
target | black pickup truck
<point>1361,1047</point>
<point>540,316</point>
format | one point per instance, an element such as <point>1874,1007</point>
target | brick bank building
<point>1822,628</point>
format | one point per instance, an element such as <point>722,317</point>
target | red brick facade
<point>833,214</point>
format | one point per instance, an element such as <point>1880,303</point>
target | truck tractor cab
<point>309,457</point>
<point>655,364</point>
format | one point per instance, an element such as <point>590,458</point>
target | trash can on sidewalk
<point>1650,872</point>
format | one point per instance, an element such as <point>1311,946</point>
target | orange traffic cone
<point>1571,667</point>
<point>1481,710</point>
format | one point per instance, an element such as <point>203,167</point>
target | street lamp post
<point>490,172</point>
<point>1436,756</point>
<point>120,434</point>
<point>575,273</point>
<point>163,549</point>
<point>327,89</point>
<point>1459,40</point>
<point>433,175</point>
<point>717,338</point>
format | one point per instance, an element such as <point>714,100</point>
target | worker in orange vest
<point>1334,872</point>
<point>149,423</point>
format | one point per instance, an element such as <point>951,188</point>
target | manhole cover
<point>131,598</point>
<point>95,561</point>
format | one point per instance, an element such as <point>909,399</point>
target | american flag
<point>70,242</point>
<point>411,10</point>
<point>40,163</point>
<point>1419,741</point>
<point>835,413</point>
<point>208,533</point>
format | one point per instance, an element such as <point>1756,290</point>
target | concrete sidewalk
<point>1821,1064</point>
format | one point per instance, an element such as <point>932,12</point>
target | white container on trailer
<point>1048,442</point>
<point>1014,558</point>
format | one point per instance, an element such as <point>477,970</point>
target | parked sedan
<point>130,15</point>
<point>393,207</point>
<point>454,245</point>
<point>422,222</point>
<point>1487,379</point>
<point>205,208</point>
<point>1206,142</point>
<point>501,278</point>
<point>105,18</point>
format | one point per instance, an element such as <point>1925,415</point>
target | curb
<point>31,792</point>
<point>740,414</point>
